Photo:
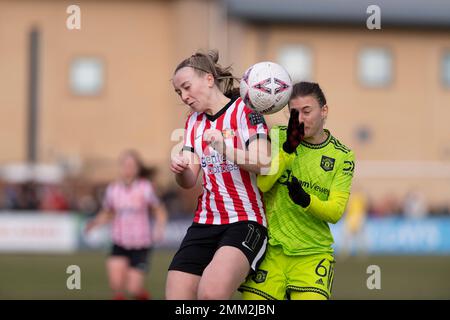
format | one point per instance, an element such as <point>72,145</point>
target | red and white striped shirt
<point>131,227</point>
<point>230,194</point>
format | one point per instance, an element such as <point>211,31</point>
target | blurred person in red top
<point>53,199</point>
<point>127,203</point>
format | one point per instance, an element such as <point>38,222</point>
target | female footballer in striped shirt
<point>128,203</point>
<point>228,142</point>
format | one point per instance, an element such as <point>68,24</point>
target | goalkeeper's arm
<point>278,165</point>
<point>330,210</point>
<point>285,155</point>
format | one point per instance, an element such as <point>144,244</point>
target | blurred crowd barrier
<point>51,232</point>
<point>394,235</point>
<point>47,232</point>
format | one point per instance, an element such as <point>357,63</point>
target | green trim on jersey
<point>320,168</point>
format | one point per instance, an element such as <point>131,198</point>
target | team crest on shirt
<point>327,163</point>
<point>260,276</point>
<point>228,133</point>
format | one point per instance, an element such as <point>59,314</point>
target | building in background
<point>106,87</point>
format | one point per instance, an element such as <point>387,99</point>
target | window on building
<point>363,134</point>
<point>446,69</point>
<point>297,60</point>
<point>86,76</point>
<point>375,67</point>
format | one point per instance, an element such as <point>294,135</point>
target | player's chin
<point>195,107</point>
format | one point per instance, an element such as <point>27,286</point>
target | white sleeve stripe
<point>188,132</point>
<point>244,125</point>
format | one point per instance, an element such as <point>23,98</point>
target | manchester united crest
<point>327,163</point>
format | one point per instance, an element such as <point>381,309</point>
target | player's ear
<point>210,80</point>
<point>324,111</point>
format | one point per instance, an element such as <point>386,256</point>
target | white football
<point>266,87</point>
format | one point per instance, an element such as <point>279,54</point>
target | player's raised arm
<point>185,164</point>
<point>186,167</point>
<point>284,155</point>
<point>332,209</point>
<point>254,158</point>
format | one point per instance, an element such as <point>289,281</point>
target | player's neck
<point>128,181</point>
<point>216,102</point>
<point>318,138</point>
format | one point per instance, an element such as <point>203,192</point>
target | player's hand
<point>295,132</point>
<point>214,138</point>
<point>297,194</point>
<point>179,163</point>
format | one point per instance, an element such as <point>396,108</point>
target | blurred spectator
<point>354,221</point>
<point>3,203</point>
<point>11,197</point>
<point>171,199</point>
<point>414,205</point>
<point>388,206</point>
<point>25,197</point>
<point>440,210</point>
<point>181,202</point>
<point>53,199</point>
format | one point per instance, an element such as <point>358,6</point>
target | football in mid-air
<point>266,87</point>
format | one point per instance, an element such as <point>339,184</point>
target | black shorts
<point>137,258</point>
<point>202,241</point>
